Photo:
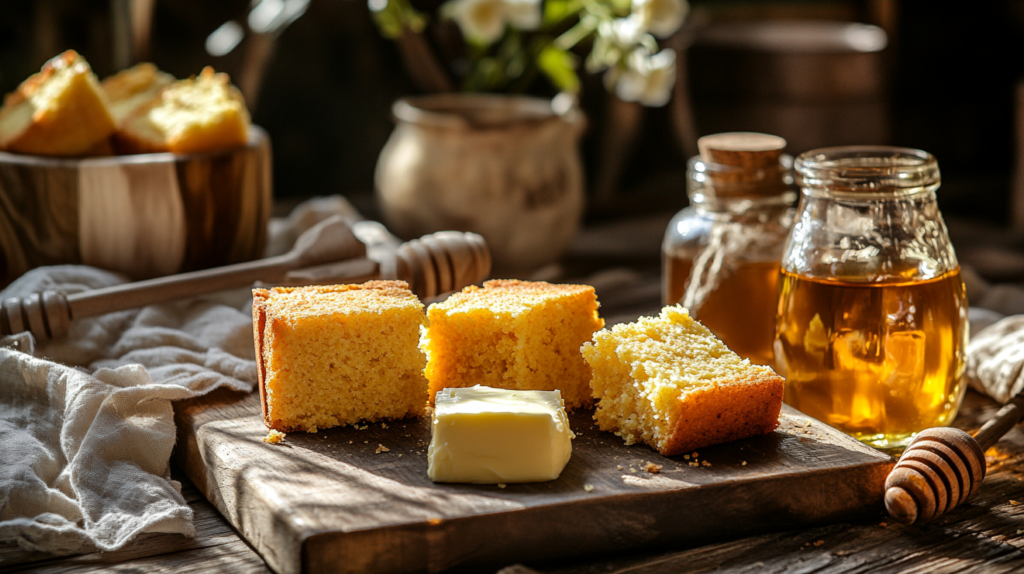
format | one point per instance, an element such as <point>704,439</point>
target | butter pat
<point>486,436</point>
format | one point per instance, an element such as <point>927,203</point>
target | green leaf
<point>560,67</point>
<point>557,10</point>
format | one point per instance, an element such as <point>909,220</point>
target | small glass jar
<point>720,256</point>
<point>872,323</point>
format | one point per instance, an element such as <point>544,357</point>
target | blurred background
<point>321,79</point>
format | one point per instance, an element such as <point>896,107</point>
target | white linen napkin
<point>995,355</point>
<point>85,458</point>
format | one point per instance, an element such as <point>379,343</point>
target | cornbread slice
<point>512,334</point>
<point>129,89</point>
<point>335,355</point>
<point>195,115</point>
<point>668,382</point>
<point>60,111</point>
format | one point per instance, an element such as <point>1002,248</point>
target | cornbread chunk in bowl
<point>195,115</point>
<point>61,111</point>
<point>336,355</point>
<point>668,382</point>
<point>131,88</point>
<point>517,335</point>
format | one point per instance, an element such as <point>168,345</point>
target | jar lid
<point>868,169</point>
<point>740,164</point>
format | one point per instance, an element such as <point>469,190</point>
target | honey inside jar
<point>879,360</point>
<point>741,309</point>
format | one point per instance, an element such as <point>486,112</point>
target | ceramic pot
<point>506,167</point>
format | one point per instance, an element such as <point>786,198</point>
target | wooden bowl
<point>144,215</point>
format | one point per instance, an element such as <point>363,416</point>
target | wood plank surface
<point>337,501</point>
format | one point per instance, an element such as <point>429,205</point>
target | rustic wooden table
<point>986,535</point>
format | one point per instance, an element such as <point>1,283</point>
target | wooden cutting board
<point>358,500</point>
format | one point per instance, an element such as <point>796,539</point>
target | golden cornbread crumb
<point>668,382</point>
<point>274,437</point>
<point>337,355</point>
<point>653,468</point>
<point>517,335</point>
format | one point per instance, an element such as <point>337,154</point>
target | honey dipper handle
<point>141,293</point>
<point>997,426</point>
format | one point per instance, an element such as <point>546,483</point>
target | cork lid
<point>744,163</point>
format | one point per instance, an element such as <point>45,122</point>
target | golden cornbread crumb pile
<point>334,355</point>
<point>668,382</point>
<point>513,335</point>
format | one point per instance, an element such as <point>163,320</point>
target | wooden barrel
<point>143,215</point>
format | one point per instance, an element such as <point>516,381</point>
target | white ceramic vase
<point>506,167</point>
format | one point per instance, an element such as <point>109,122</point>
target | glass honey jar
<point>872,312</point>
<point>720,256</point>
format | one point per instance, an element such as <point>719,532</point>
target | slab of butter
<point>487,436</point>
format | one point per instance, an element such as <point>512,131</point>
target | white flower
<point>485,20</point>
<point>646,79</point>
<point>661,17</point>
<point>623,33</point>
<point>523,14</point>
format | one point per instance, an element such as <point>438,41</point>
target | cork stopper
<point>744,163</point>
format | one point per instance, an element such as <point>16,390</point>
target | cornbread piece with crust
<point>60,111</point>
<point>129,89</point>
<point>196,115</point>
<point>668,382</point>
<point>340,354</point>
<point>513,335</point>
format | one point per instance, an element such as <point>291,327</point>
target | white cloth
<point>84,461</point>
<point>995,359</point>
<point>995,355</point>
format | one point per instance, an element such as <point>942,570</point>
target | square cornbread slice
<point>340,354</point>
<point>667,382</point>
<point>513,335</point>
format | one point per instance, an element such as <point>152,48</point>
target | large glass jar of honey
<point>721,255</point>
<point>872,313</point>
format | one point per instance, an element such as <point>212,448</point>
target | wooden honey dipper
<point>943,467</point>
<point>326,253</point>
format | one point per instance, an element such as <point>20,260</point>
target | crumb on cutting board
<point>274,437</point>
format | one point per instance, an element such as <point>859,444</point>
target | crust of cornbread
<point>668,382</point>
<point>266,320</point>
<point>211,115</point>
<point>513,334</point>
<point>727,411</point>
<point>72,121</point>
